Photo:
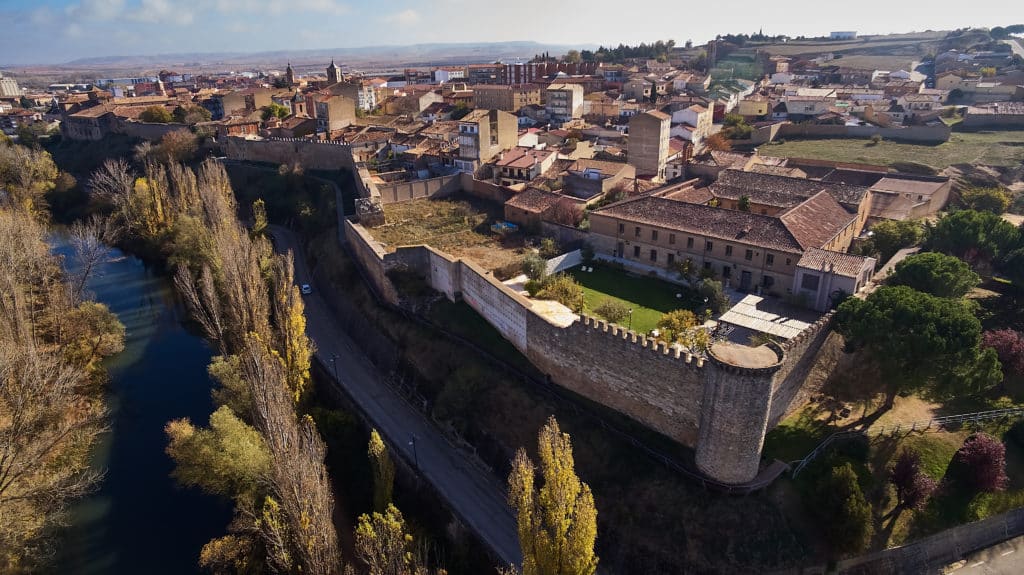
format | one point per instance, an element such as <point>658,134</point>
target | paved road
<point>1006,558</point>
<point>475,495</point>
<point>1016,46</point>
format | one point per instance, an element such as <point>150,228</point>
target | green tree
<point>572,56</point>
<point>383,472</point>
<point>275,110</point>
<point>557,524</point>
<point>921,342</point>
<point>890,236</point>
<point>975,237</point>
<point>191,115</point>
<point>744,203</point>
<point>156,115</point>
<point>229,458</point>
<point>936,274</point>
<point>992,200</point>
<point>26,175</point>
<point>843,512</point>
<point>675,324</point>
<point>534,267</point>
<point>714,295</point>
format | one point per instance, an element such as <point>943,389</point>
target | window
<point>726,272</point>
<point>809,282</point>
<point>622,228</point>
<point>749,255</point>
<point>707,265</point>
<point>769,259</point>
<point>636,232</point>
<point>672,239</point>
<point>654,255</point>
<point>689,243</point>
<point>708,246</point>
<point>789,262</point>
<point>768,281</point>
<point>636,251</point>
<point>728,250</point>
<point>654,235</point>
<point>670,259</point>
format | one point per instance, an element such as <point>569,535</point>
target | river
<point>140,521</point>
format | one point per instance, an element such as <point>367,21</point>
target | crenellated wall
<point>711,403</point>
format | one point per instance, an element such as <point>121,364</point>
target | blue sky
<point>53,31</point>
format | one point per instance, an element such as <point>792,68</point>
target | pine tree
<point>558,523</point>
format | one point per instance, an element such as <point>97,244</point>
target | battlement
<point>675,350</point>
<point>824,322</point>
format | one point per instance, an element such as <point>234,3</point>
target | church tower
<point>289,75</point>
<point>333,74</point>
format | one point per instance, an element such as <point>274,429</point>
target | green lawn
<point>1004,148</point>
<point>650,298</point>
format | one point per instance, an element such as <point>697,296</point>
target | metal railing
<point>922,426</point>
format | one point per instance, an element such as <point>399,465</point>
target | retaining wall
<point>938,133</point>
<point>311,154</point>
<point>414,189</point>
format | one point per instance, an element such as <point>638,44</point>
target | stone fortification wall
<point>631,373</point>
<point>789,390</point>
<point>414,189</point>
<point>722,410</point>
<point>734,418</point>
<point>152,132</point>
<point>311,154</point>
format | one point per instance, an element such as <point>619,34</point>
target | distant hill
<point>411,55</point>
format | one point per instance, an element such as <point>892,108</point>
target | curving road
<point>473,494</point>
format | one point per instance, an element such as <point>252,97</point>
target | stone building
<point>648,143</point>
<point>333,74</point>
<point>334,113</point>
<point>564,102</point>
<point>9,87</point>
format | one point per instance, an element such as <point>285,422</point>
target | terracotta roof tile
<point>816,221</point>
<point>837,262</point>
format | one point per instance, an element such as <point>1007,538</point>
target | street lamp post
<point>415,454</point>
<point>334,365</point>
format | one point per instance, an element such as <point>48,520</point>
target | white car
<point>306,289</point>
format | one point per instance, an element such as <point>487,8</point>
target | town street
<point>474,495</point>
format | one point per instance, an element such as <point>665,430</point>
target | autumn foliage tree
<point>979,464</point>
<point>913,486</point>
<point>383,472</point>
<point>1009,346</point>
<point>557,523</point>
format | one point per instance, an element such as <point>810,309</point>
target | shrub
<point>563,289</point>
<point>875,140</point>
<point>979,464</point>
<point>533,287</point>
<point>156,115</point>
<point>612,310</point>
<point>985,200</point>
<point>534,267</point>
<point>587,252</point>
<point>548,248</point>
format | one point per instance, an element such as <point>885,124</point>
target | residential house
<point>508,98</point>
<point>999,115</point>
<point>648,143</point>
<point>531,206</point>
<point>412,101</point>
<point>588,179</point>
<point>482,135</point>
<point>333,113</point>
<point>521,165</point>
<point>823,278</point>
<point>698,118</point>
<point>756,106</point>
<point>638,89</point>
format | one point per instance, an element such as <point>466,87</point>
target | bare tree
<point>200,294</point>
<point>91,240</point>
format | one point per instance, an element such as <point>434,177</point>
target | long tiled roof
<point>755,229</point>
<point>759,184</point>
<point>837,262</point>
<point>816,221</point>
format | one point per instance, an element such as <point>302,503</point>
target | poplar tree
<point>383,472</point>
<point>557,524</point>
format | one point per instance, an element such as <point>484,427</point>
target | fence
<point>922,426</point>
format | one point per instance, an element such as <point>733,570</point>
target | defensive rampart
<point>702,401</point>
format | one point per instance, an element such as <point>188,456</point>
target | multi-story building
<point>564,102</point>
<point>334,113</point>
<point>482,135</point>
<point>520,165</point>
<point>484,73</point>
<point>648,143</point>
<point>9,87</point>
<point>504,97</point>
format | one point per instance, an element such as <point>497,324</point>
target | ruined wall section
<point>650,382</point>
<point>311,154</point>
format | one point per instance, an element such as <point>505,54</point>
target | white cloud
<point>406,17</point>
<point>96,9</point>
<point>163,12</point>
<point>324,6</point>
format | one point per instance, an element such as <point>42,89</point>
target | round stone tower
<point>734,409</point>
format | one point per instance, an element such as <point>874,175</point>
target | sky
<point>57,31</point>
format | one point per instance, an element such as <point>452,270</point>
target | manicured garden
<point>648,297</point>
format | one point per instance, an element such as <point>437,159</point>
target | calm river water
<point>140,521</point>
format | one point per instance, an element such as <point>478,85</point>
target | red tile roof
<point>816,221</point>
